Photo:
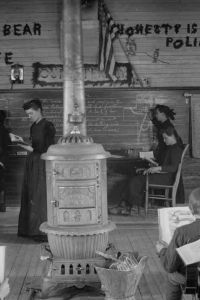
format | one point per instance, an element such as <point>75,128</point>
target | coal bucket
<point>121,285</point>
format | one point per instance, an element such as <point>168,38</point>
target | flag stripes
<point>108,32</point>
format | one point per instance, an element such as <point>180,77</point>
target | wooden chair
<point>192,284</point>
<point>164,192</point>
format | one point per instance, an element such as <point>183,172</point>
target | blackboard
<point>116,118</point>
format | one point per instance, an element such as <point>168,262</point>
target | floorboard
<point>24,268</point>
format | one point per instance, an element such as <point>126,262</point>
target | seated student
<point>161,174</point>
<point>169,257</point>
<point>161,117</point>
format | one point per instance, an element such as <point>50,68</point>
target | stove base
<point>61,274</point>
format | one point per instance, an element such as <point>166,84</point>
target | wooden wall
<point>174,67</point>
<point>29,48</point>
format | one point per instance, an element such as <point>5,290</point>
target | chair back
<point>178,173</point>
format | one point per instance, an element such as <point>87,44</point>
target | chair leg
<point>173,199</point>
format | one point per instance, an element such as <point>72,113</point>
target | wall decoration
<point>109,31</point>
<point>6,57</point>
<point>131,46</point>
<point>155,55</point>
<point>171,31</point>
<point>17,73</point>
<point>52,75</point>
<point>21,29</point>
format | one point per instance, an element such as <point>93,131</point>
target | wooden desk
<point>119,170</point>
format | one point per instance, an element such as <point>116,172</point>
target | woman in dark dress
<point>33,199</point>
<point>161,117</point>
<point>171,160</point>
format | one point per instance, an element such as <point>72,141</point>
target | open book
<point>148,155</point>
<point>190,253</point>
<point>17,139</point>
<point>169,218</point>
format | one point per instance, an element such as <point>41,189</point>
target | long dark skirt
<point>33,199</point>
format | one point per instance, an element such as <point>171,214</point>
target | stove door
<point>76,202</point>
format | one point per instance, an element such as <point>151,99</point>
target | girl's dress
<point>33,199</point>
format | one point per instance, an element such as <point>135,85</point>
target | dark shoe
<point>126,211</point>
<point>114,210</point>
<point>40,238</point>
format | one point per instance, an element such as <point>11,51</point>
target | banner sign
<point>52,75</point>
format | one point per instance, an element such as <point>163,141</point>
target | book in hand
<point>17,139</point>
<point>190,253</point>
<point>148,155</point>
<point>169,218</point>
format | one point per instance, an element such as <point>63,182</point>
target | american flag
<point>108,32</point>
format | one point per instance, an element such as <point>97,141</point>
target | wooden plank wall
<point>44,48</point>
<point>174,67</point>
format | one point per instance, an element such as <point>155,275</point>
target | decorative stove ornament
<point>76,118</point>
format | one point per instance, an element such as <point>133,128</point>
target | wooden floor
<point>23,265</point>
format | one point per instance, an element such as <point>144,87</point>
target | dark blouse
<point>161,148</point>
<point>4,142</point>
<point>42,135</point>
<point>172,158</point>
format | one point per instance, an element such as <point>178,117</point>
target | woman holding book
<point>162,173</point>
<point>33,199</point>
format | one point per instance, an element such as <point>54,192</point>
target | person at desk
<point>33,199</point>
<point>161,117</point>
<point>161,173</point>
<point>169,257</point>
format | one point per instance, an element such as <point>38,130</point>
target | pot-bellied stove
<point>77,222</point>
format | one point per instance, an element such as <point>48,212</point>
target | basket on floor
<point>121,285</point>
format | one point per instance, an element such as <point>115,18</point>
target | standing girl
<point>33,199</point>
